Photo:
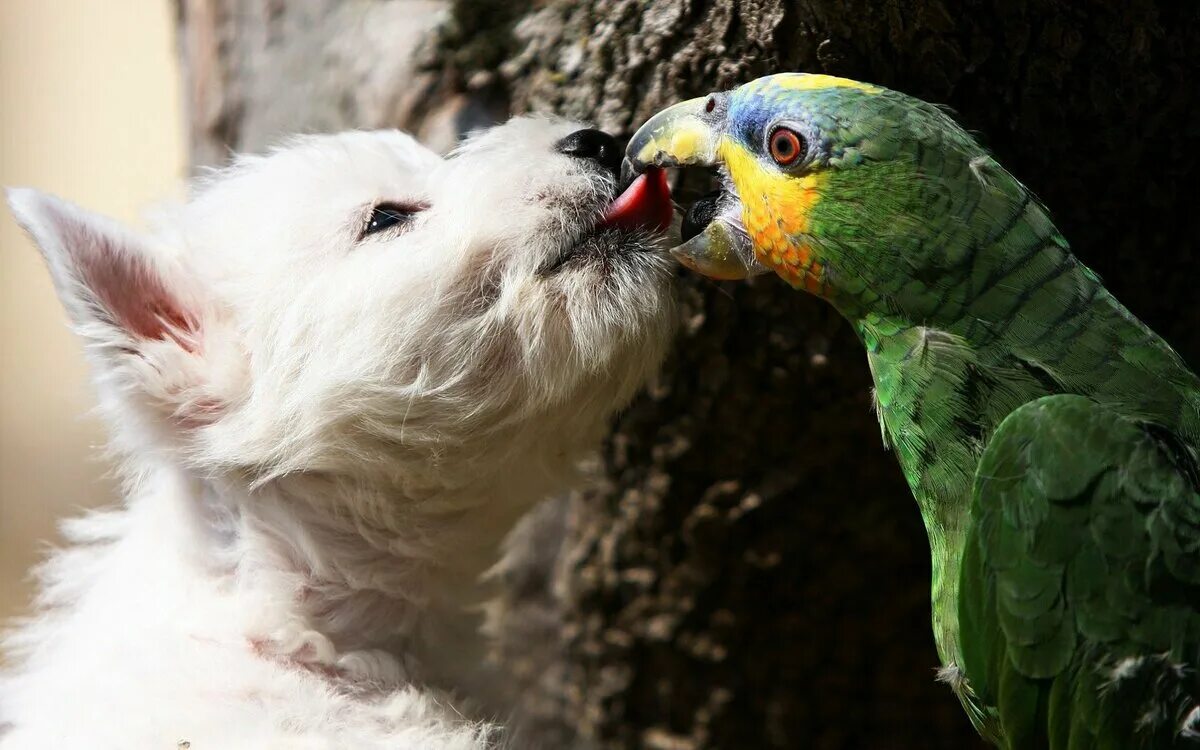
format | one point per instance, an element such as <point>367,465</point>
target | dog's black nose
<point>593,144</point>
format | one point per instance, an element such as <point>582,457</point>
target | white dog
<point>335,378</point>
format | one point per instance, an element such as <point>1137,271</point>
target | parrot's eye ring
<point>787,147</point>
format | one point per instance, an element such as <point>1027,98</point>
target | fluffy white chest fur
<point>335,379</point>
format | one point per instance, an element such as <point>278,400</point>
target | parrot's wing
<point>1080,589</point>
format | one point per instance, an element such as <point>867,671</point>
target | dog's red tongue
<point>645,204</point>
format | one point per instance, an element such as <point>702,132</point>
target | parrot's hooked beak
<point>685,135</point>
<point>689,134</point>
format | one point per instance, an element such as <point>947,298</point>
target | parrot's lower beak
<point>715,243</point>
<point>688,134</point>
<point>721,251</point>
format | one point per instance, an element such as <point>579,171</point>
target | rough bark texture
<point>753,572</point>
<point>260,70</point>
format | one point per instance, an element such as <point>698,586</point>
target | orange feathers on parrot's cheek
<point>776,210</point>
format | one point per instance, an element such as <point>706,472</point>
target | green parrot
<point>1049,437</point>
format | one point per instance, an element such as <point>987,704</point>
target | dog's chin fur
<point>325,438</point>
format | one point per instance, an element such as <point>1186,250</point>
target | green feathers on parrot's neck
<point>1002,367</point>
<point>967,298</point>
<point>973,305</point>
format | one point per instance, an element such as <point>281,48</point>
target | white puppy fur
<point>325,436</point>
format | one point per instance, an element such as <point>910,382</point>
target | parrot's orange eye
<point>787,147</point>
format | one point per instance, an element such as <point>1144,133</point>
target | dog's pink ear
<point>138,312</point>
<point>117,290</point>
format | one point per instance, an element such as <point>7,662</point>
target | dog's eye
<point>386,215</point>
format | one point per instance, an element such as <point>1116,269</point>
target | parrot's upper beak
<point>684,135</point>
<point>689,134</point>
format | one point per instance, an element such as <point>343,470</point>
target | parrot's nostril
<point>594,145</point>
<point>700,215</point>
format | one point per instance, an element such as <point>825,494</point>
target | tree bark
<point>753,572</point>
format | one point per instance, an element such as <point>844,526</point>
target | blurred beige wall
<point>90,110</point>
